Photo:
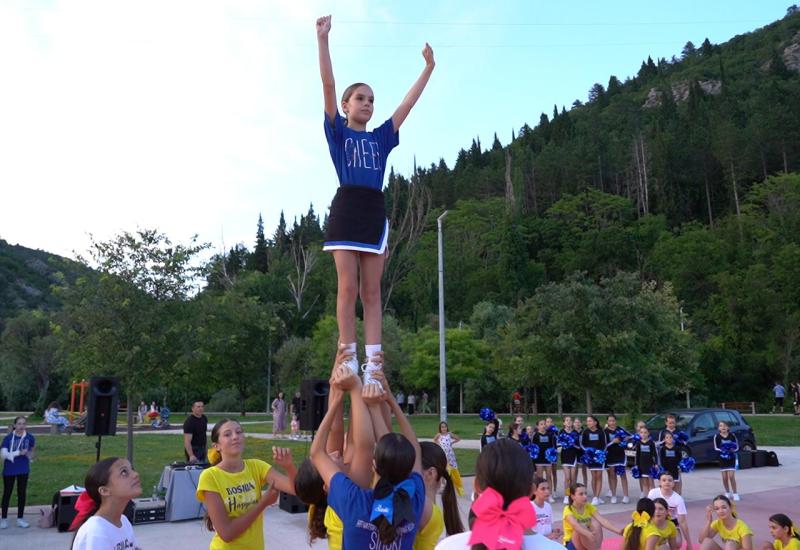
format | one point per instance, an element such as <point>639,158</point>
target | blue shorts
<point>569,545</point>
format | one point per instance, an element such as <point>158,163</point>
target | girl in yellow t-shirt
<point>435,520</point>
<point>640,534</point>
<point>232,489</point>
<point>783,532</point>
<point>583,523</point>
<point>733,532</point>
<point>668,536</point>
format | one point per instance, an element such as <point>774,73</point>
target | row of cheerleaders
<point>582,447</point>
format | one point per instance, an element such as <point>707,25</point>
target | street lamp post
<point>442,361</point>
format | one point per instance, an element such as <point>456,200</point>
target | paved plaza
<point>764,491</point>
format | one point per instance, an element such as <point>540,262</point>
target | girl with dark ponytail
<point>434,519</point>
<point>733,532</point>
<point>110,485</point>
<point>388,516</point>
<point>784,534</point>
<point>639,534</point>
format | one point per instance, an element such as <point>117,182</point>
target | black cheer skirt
<point>357,221</point>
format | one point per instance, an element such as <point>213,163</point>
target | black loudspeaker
<point>103,405</point>
<point>292,504</point>
<point>760,458</point>
<point>772,459</point>
<point>746,459</point>
<point>313,403</point>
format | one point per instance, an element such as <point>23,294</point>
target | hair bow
<point>85,507</point>
<point>393,501</point>
<point>214,456</point>
<point>497,528</point>
<point>640,519</point>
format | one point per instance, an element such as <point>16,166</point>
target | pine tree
<point>706,49</point>
<point>259,259</point>
<point>688,50</point>
<point>281,238</point>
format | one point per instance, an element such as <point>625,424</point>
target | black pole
<point>97,445</point>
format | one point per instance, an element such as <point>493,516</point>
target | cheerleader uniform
<point>594,440</point>
<point>544,441</point>
<point>615,452</point>
<point>670,458</point>
<point>646,456</point>
<point>569,455</point>
<point>726,464</point>
<point>357,219</point>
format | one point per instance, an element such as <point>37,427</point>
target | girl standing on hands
<point>357,231</point>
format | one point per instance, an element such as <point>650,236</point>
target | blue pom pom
<point>551,455</point>
<point>487,414</point>
<point>636,437</point>
<point>682,438</point>
<point>623,435</point>
<point>655,472</point>
<point>599,457</point>
<point>553,430</point>
<point>533,451</point>
<point>524,439</point>
<point>635,472</point>
<point>619,471</point>
<point>686,464</point>
<point>565,440</point>
<point>587,457</point>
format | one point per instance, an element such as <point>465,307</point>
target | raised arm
<point>326,68</point>
<point>403,423</point>
<point>282,457</point>
<point>363,436</point>
<point>326,467</point>
<point>413,94</point>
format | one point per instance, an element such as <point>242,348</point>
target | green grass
<point>775,430</point>
<point>64,460</point>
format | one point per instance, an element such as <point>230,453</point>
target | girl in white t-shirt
<point>544,512</point>
<point>110,485</point>
<point>502,514</point>
<point>677,506</point>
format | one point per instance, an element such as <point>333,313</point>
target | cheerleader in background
<point>726,444</point>
<point>515,432</point>
<point>548,423</point>
<point>615,460</point>
<point>595,438</point>
<point>569,455</point>
<point>784,534</point>
<point>670,428</point>
<point>545,441</point>
<point>489,434</point>
<point>646,458</point>
<point>578,427</point>
<point>669,456</point>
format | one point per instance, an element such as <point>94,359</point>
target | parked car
<point>700,426</point>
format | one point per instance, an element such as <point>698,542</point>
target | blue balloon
<point>487,414</point>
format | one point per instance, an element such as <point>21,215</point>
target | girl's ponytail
<point>452,517</point>
<point>784,521</point>
<point>90,500</point>
<point>433,457</point>
<point>310,489</point>
<point>645,509</point>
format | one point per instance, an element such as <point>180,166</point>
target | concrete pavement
<point>764,491</point>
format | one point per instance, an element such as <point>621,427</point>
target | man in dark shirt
<point>194,434</point>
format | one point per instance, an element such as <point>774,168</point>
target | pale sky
<point>194,116</point>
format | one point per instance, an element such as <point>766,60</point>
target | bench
<point>741,406</point>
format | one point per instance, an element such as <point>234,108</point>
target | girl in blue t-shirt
<point>16,452</point>
<point>387,516</point>
<point>357,229</point>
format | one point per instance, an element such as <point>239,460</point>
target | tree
<point>259,259</point>
<point>29,359</point>
<point>688,50</point>
<point>118,323</point>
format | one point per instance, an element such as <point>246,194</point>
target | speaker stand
<point>97,446</point>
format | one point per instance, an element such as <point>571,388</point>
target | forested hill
<point>676,138</point>
<point>26,278</point>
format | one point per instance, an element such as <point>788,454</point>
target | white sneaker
<point>613,500</point>
<point>3,523</point>
<point>566,500</point>
<point>728,495</point>
<point>595,501</point>
<point>351,363</point>
<point>608,493</point>
<point>736,497</point>
<point>22,523</point>
<point>625,500</point>
<point>601,501</point>
<point>551,500</point>
<point>368,368</point>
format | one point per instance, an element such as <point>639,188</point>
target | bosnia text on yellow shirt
<point>584,518</point>
<point>739,531</point>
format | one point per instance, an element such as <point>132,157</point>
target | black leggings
<point>22,489</point>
